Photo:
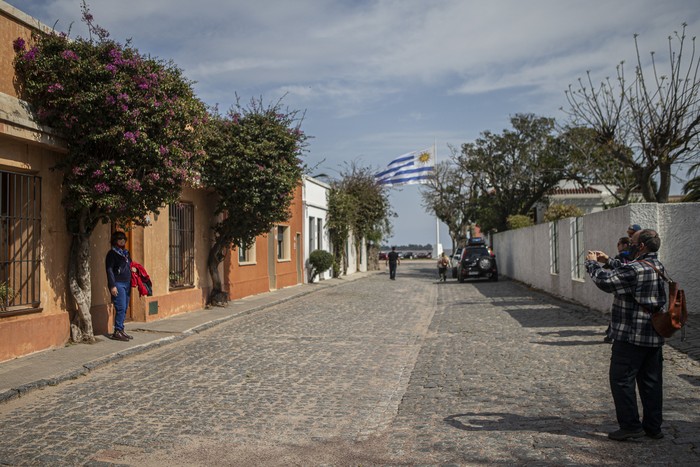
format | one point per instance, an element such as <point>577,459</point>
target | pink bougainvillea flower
<point>101,188</point>
<point>18,44</point>
<point>133,185</point>
<point>69,55</point>
<point>31,55</point>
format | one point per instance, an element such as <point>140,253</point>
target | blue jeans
<point>121,303</point>
<point>644,365</point>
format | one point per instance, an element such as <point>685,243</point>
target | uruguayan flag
<point>413,167</point>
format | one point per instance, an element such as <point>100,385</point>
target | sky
<point>379,78</point>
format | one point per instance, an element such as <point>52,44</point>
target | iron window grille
<point>181,245</point>
<point>20,241</point>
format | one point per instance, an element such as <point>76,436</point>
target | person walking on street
<point>118,265</point>
<point>443,263</point>
<point>392,259</point>
<point>637,347</point>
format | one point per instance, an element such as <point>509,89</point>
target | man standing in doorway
<point>636,350</point>
<point>392,259</point>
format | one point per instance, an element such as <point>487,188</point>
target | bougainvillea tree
<point>253,165</point>
<point>131,126</point>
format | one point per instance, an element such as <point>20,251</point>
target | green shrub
<point>518,221</point>
<point>556,212</point>
<point>320,262</point>
<point>6,295</point>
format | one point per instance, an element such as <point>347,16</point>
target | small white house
<point>315,199</point>
<point>589,199</point>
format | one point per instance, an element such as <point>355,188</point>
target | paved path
<point>371,372</point>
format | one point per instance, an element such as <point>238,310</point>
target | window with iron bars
<point>181,270</point>
<point>20,241</point>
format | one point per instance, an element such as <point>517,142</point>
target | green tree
<point>449,196</point>
<point>513,170</point>
<point>357,204</point>
<point>592,163</point>
<point>253,166</point>
<point>656,114</point>
<point>131,124</point>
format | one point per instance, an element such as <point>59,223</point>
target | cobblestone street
<point>371,372</point>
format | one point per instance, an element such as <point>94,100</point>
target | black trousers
<point>632,364</point>
<point>392,270</point>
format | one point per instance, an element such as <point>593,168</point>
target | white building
<point>315,199</point>
<point>589,199</point>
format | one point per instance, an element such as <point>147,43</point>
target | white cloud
<point>378,78</point>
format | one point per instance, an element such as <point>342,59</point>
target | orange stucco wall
<point>26,148</point>
<point>287,274</point>
<point>253,278</point>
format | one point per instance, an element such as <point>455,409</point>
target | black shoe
<point>657,435</point>
<point>126,335</point>
<point>119,336</point>
<point>622,435</point>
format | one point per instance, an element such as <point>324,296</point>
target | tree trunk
<point>643,177</point>
<point>664,183</point>
<point>80,288</point>
<point>217,297</point>
<point>373,257</point>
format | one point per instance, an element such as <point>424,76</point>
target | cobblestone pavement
<point>372,372</point>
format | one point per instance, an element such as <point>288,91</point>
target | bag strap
<point>661,274</point>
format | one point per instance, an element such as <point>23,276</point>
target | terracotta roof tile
<point>573,191</point>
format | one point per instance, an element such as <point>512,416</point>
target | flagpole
<point>437,221</point>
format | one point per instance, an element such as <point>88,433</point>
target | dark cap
<point>634,227</point>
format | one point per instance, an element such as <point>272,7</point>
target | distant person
<point>442,264</point>
<point>632,229</point>
<point>392,259</point>
<point>622,257</point>
<point>637,359</point>
<point>118,266</point>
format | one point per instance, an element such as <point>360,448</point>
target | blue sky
<point>380,78</point>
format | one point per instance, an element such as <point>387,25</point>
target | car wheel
<point>485,264</point>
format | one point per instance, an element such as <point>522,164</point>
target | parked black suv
<point>477,261</point>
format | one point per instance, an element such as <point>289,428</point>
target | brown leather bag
<point>666,323</point>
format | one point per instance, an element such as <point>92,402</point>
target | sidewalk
<point>51,367</point>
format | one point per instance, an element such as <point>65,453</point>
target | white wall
<point>524,254</point>
<point>315,199</point>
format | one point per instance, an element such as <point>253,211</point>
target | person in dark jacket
<point>118,265</point>
<point>392,260</point>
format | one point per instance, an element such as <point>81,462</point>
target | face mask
<point>634,249</point>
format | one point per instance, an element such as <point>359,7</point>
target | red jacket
<point>140,279</point>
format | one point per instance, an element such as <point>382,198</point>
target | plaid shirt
<point>635,285</point>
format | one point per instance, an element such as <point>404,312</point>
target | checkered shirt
<point>635,285</point>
